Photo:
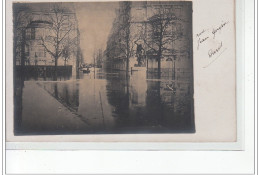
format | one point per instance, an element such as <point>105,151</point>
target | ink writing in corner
<point>219,28</point>
<point>216,52</point>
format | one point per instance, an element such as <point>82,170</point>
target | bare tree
<point>98,57</point>
<point>120,42</point>
<point>66,54</point>
<point>58,42</point>
<point>22,16</point>
<point>124,29</point>
<point>160,34</point>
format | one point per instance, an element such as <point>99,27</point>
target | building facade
<point>42,39</point>
<point>173,51</point>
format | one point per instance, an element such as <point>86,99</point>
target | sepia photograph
<point>103,67</point>
<point>96,86</point>
<point>123,71</point>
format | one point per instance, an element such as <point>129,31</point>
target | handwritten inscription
<point>213,52</point>
<point>209,36</point>
<point>206,34</point>
<point>200,41</point>
<point>212,61</point>
<point>200,33</point>
<point>201,37</point>
<point>219,28</point>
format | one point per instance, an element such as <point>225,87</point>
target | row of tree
<point>156,34</point>
<point>60,39</point>
<point>98,58</point>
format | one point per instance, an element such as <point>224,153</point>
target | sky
<point>95,21</point>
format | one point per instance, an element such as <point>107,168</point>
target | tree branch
<point>49,51</point>
<point>65,35</point>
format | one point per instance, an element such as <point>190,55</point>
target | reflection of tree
<point>21,18</point>
<point>118,94</point>
<point>56,93</point>
<point>18,102</point>
<point>163,111</point>
<point>126,108</point>
<point>154,102</point>
<point>66,94</point>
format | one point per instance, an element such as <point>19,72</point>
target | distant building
<point>176,60</point>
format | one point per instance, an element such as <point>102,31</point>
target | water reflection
<point>104,102</point>
<point>67,94</point>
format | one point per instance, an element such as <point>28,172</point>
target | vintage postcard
<point>130,71</point>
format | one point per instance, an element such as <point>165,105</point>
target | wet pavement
<point>103,102</point>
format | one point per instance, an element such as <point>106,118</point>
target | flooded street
<point>104,102</point>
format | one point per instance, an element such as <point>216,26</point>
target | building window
<point>27,53</point>
<point>41,54</point>
<point>28,34</point>
<point>32,33</point>
<point>38,33</point>
<point>66,18</point>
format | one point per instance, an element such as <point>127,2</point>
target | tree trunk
<point>127,64</point>
<point>23,49</point>
<point>15,47</point>
<point>159,62</point>
<point>55,68</point>
<point>159,67</point>
<point>127,31</point>
<point>77,63</point>
<point>127,51</point>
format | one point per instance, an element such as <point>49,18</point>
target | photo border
<point>12,153</point>
<point>106,145</point>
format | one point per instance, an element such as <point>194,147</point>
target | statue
<point>139,54</point>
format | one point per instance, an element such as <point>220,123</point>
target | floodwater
<point>103,102</point>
